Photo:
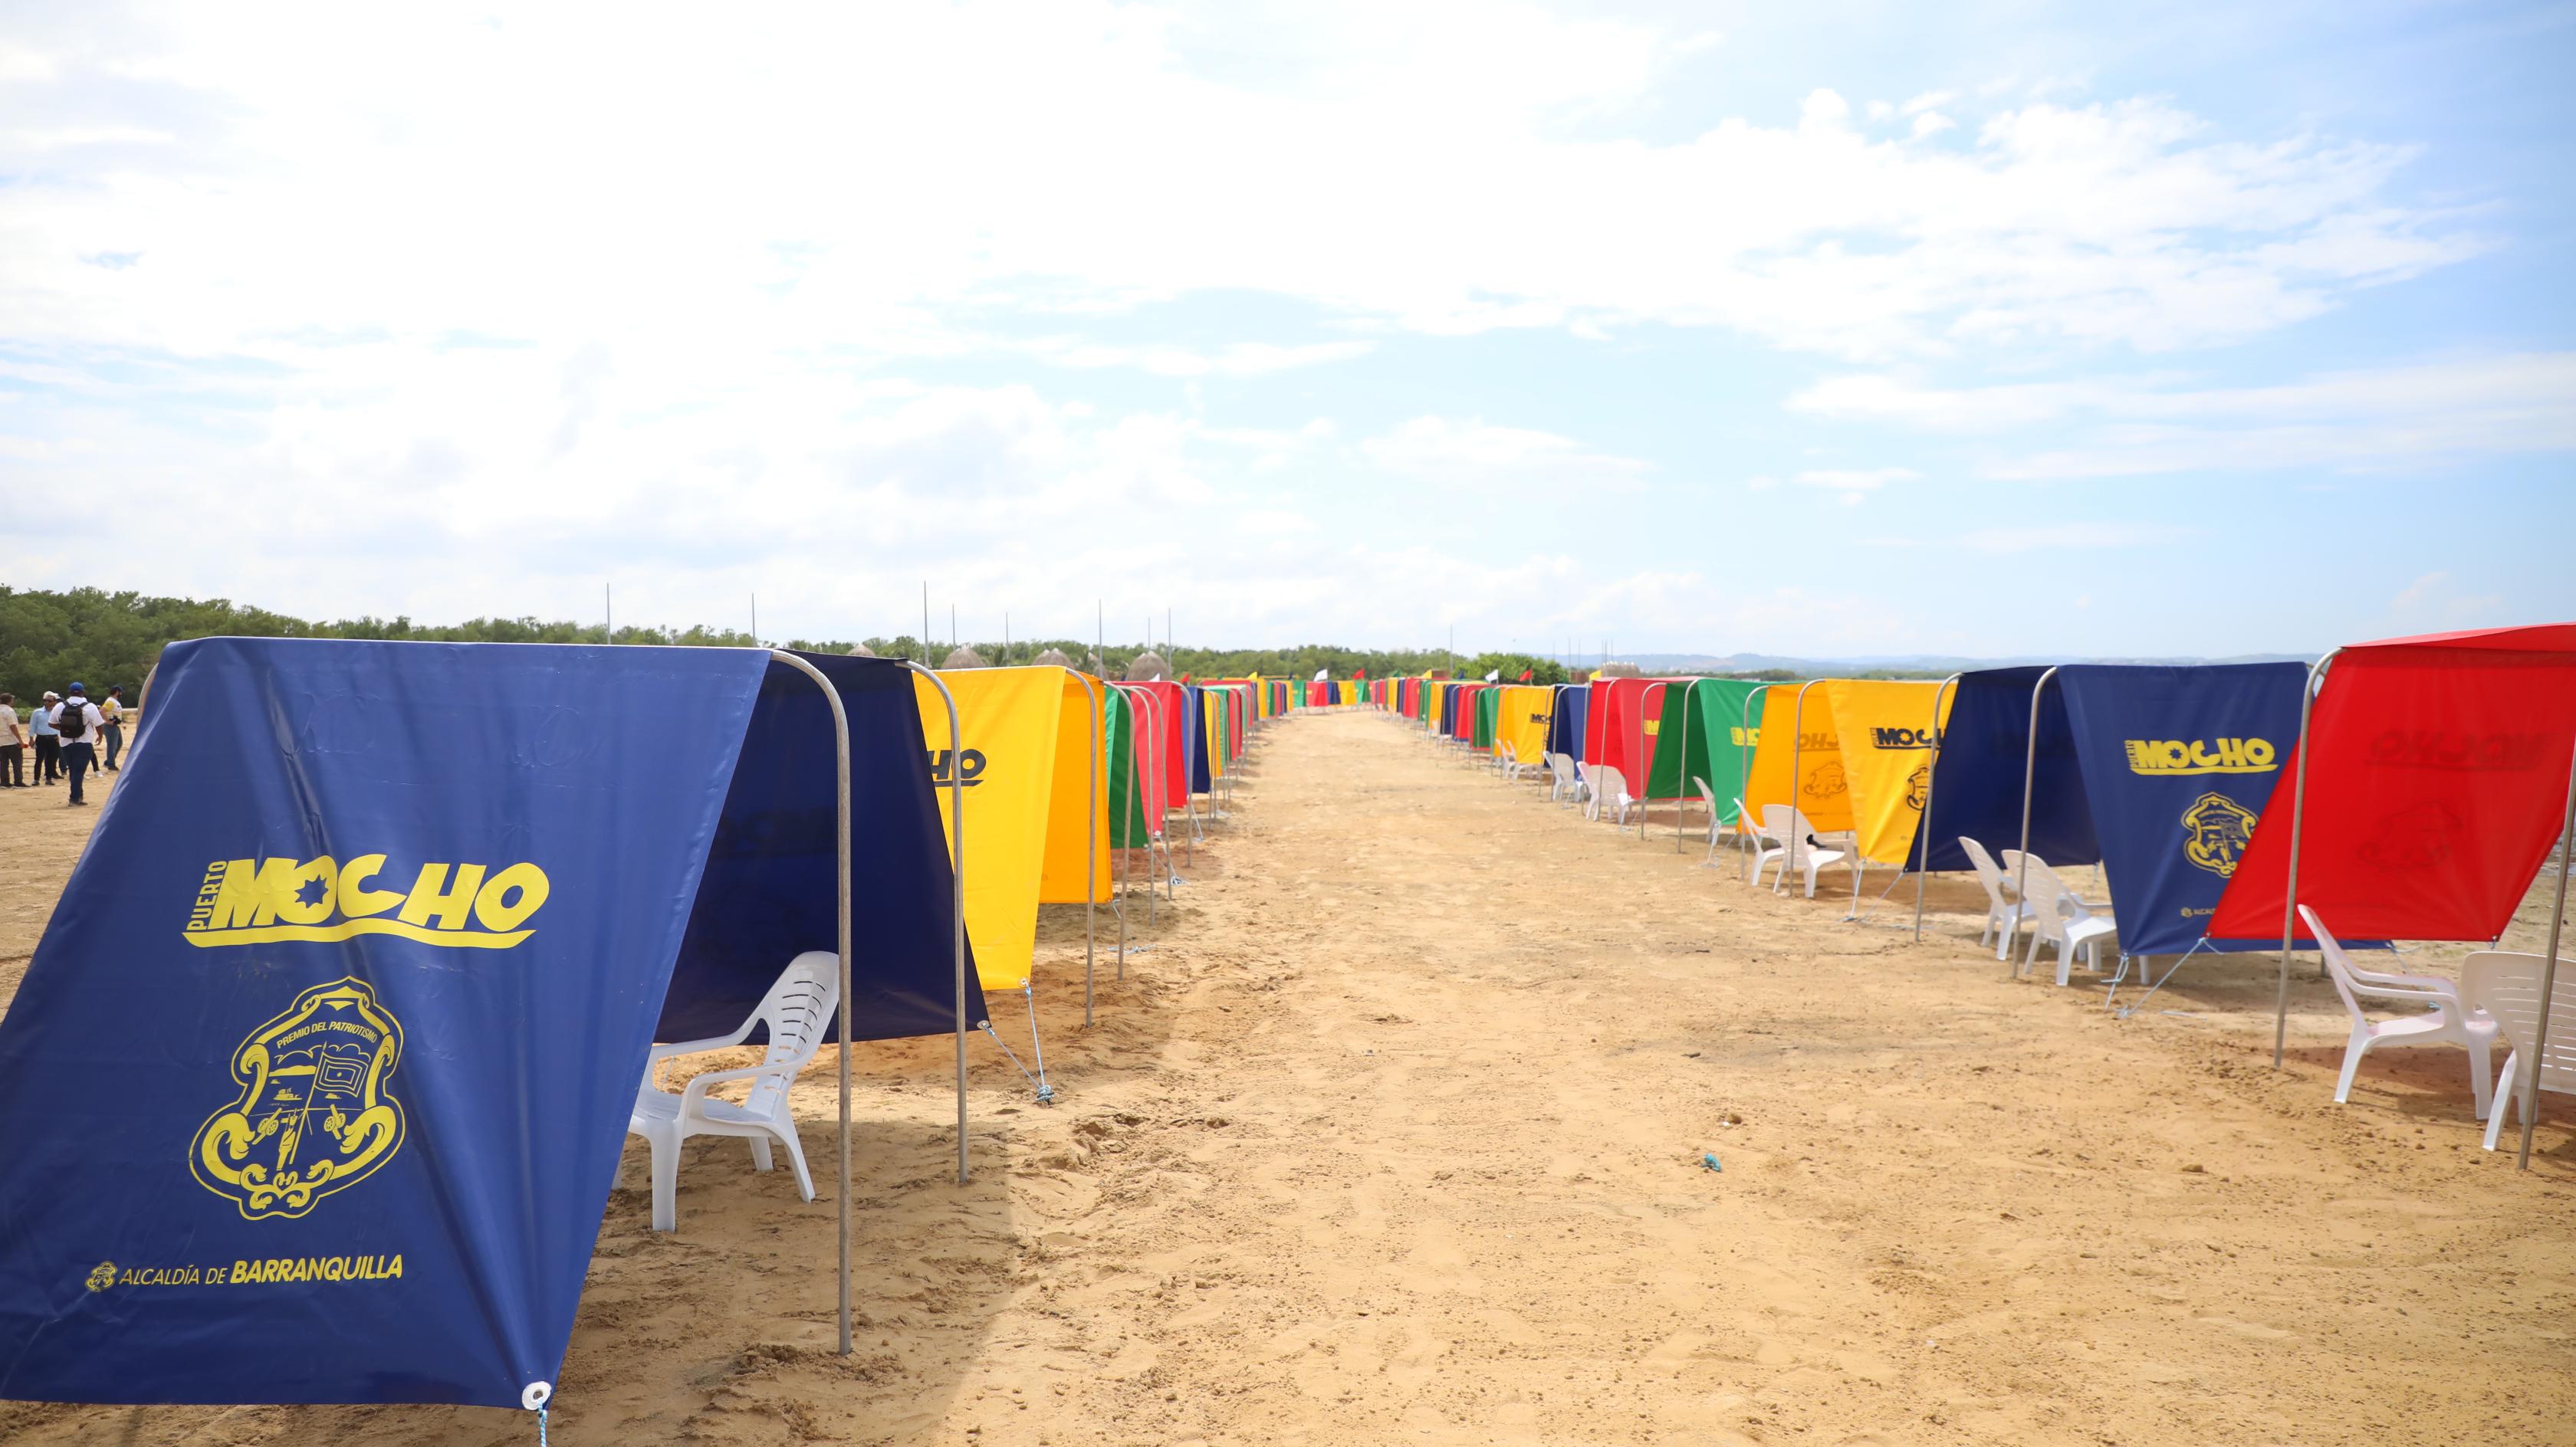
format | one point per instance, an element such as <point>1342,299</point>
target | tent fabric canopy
<point>1977,778</point>
<point>2435,788</point>
<point>1887,729</point>
<point>1704,738</point>
<point>441,889</point>
<point>1036,801</point>
<point>2178,764</point>
<point>1522,716</point>
<point>1799,735</point>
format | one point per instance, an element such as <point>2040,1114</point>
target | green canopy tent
<point>1706,735</point>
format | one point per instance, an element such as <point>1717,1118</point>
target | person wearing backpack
<point>79,723</point>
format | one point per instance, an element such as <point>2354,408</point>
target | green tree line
<point>106,640</point>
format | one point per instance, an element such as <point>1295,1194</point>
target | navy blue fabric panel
<point>2178,763</point>
<point>1977,780</point>
<point>1565,725</point>
<point>768,894</point>
<point>1202,778</point>
<point>319,1078</point>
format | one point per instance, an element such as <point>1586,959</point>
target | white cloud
<point>2075,537</point>
<point>2435,603</point>
<point>1238,359</point>
<point>1473,452</point>
<point>1931,123</point>
<point>1856,479</point>
<point>2361,420</point>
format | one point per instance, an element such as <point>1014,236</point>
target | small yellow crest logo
<point>2215,831</point>
<point>315,1114</point>
<point>1918,784</point>
<point>102,1276</point>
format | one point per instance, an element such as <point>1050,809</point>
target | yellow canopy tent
<point>1821,791</point>
<point>1521,718</point>
<point>1886,730</point>
<point>1036,799</point>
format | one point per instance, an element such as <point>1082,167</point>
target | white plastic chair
<point>2058,916</point>
<point>2004,911</point>
<point>1718,829</point>
<point>798,1011</point>
<point>1568,788</point>
<point>2444,1019</point>
<point>1609,791</point>
<point>2505,988</point>
<point>1752,837</point>
<point>1795,847</point>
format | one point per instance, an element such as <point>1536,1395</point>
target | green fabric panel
<point>1703,742</point>
<point>1488,709</point>
<point>1126,798</point>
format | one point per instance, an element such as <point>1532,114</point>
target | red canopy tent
<point>1169,717</point>
<point>1623,709</point>
<point>2432,776</point>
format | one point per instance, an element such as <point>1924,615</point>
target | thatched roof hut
<point>1054,656</point>
<point>861,650</point>
<point>1620,670</point>
<point>965,657</point>
<point>1148,667</point>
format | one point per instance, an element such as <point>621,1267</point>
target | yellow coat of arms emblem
<point>2215,831</point>
<point>314,1114</point>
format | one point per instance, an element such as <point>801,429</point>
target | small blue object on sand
<point>1710,1161</point>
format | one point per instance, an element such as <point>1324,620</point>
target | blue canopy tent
<point>1565,722</point>
<point>322,1068</point>
<point>2157,773</point>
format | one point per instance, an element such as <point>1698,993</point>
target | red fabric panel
<point>1175,777</point>
<point>1625,747</point>
<point>1596,721</point>
<point>2437,784</point>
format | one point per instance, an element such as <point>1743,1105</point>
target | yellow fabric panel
<point>1823,791</point>
<point>1078,811</point>
<point>1212,733</point>
<point>1887,754</point>
<point>1521,721</point>
<point>1010,718</point>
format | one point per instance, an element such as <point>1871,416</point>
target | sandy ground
<point>1396,1132</point>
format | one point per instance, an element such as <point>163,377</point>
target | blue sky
<point>2003,328</point>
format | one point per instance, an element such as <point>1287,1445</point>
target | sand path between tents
<point>1396,1134</point>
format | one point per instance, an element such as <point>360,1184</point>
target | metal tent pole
<point>2548,976</point>
<point>1923,826</point>
<point>2308,691</point>
<point>1789,847</point>
<point>1682,789</point>
<point>1745,748</point>
<point>957,891</point>
<point>1091,846</point>
<point>2021,876</point>
<point>841,771</point>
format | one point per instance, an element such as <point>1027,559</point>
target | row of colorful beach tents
<point>2426,779</point>
<point>322,1069</point>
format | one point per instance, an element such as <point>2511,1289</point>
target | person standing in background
<point>112,733</point>
<point>49,756</point>
<point>78,723</point>
<point>13,746</point>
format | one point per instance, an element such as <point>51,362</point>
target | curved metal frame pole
<point>1797,752</point>
<point>2548,974</point>
<point>2021,873</point>
<point>1644,799</point>
<point>1744,751</point>
<point>1923,826</point>
<point>841,771</point>
<point>957,887</point>
<point>1682,790</point>
<point>1091,841</point>
<point>2308,692</point>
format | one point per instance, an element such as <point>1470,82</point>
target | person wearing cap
<point>49,756</point>
<point>13,741</point>
<point>78,723</point>
<point>112,737</point>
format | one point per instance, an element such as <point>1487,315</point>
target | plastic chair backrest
<point>1998,884</point>
<point>798,1011</point>
<point>2351,981</point>
<point>2506,985</point>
